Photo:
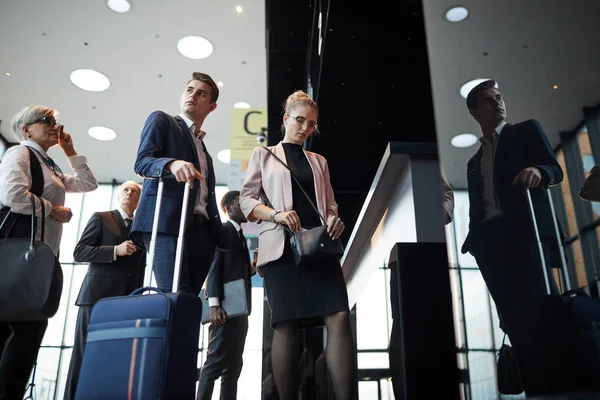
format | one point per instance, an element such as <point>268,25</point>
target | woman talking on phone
<point>21,177</point>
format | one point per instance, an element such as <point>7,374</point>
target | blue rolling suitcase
<point>144,346</point>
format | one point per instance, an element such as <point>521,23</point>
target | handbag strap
<point>297,182</point>
<point>36,189</point>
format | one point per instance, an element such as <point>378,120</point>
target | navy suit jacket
<point>165,139</point>
<point>520,146</point>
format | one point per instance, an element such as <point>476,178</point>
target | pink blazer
<point>264,170</point>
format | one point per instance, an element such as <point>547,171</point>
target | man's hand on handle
<point>184,171</point>
<point>217,315</point>
<point>529,178</point>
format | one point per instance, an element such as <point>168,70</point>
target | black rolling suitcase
<point>569,324</point>
<point>144,347</point>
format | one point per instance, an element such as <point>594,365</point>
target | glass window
<point>46,373</point>
<point>373,318</point>
<point>588,161</point>
<point>70,233</point>
<point>56,324</point>
<point>477,310</point>
<point>368,390</point>
<point>571,229</point>
<point>461,227</point>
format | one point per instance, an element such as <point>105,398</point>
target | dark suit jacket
<point>105,277</point>
<point>520,146</point>
<point>231,262</point>
<point>165,139</point>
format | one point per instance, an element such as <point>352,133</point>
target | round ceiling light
<point>241,104</point>
<point>224,156</point>
<point>467,87</point>
<point>194,47</point>
<point>119,6</point>
<point>102,133</point>
<point>90,80</point>
<point>457,14</point>
<point>464,140</point>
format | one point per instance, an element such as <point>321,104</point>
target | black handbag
<point>32,279</point>
<point>313,244</point>
<point>509,378</point>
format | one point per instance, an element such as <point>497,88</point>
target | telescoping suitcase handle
<point>563,259</point>
<point>180,238</point>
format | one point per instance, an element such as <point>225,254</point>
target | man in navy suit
<point>511,159</point>
<point>174,146</point>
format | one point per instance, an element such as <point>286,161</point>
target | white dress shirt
<point>202,198</point>
<point>491,205</point>
<point>15,183</point>
<point>215,301</point>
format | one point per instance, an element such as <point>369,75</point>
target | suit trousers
<point>224,358</point>
<point>19,346</point>
<point>511,267</point>
<point>198,252</point>
<point>83,320</point>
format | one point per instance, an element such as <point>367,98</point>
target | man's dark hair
<point>228,199</point>
<point>474,93</point>
<point>202,77</point>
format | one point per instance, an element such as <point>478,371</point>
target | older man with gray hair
<point>116,267</point>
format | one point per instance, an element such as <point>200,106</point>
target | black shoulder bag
<point>32,279</point>
<point>313,244</point>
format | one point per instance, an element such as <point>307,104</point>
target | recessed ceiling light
<point>220,84</point>
<point>195,47</point>
<point>224,156</point>
<point>464,140</point>
<point>8,73</point>
<point>467,87</point>
<point>457,14</point>
<point>238,9</point>
<point>102,133</point>
<point>241,104</point>
<point>90,80</point>
<point>555,87</point>
<point>119,6</point>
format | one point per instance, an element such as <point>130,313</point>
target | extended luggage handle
<point>561,250</point>
<point>180,238</point>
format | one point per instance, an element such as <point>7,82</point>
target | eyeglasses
<point>49,121</point>
<point>302,121</point>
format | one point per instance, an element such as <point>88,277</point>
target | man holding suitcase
<point>116,267</point>
<point>227,336</point>
<point>173,146</point>
<point>512,159</point>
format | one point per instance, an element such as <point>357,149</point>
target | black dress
<point>308,292</point>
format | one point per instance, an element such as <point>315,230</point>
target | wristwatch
<point>273,214</point>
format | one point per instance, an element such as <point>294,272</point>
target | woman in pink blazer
<point>307,295</point>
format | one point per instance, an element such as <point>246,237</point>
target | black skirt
<point>304,293</point>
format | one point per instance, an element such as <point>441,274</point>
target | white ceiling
<point>42,42</point>
<point>133,49</point>
<point>561,39</point>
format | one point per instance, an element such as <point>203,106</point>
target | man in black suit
<point>116,267</point>
<point>227,336</point>
<point>175,145</point>
<point>511,159</point>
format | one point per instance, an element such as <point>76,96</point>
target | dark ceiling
<point>371,82</point>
